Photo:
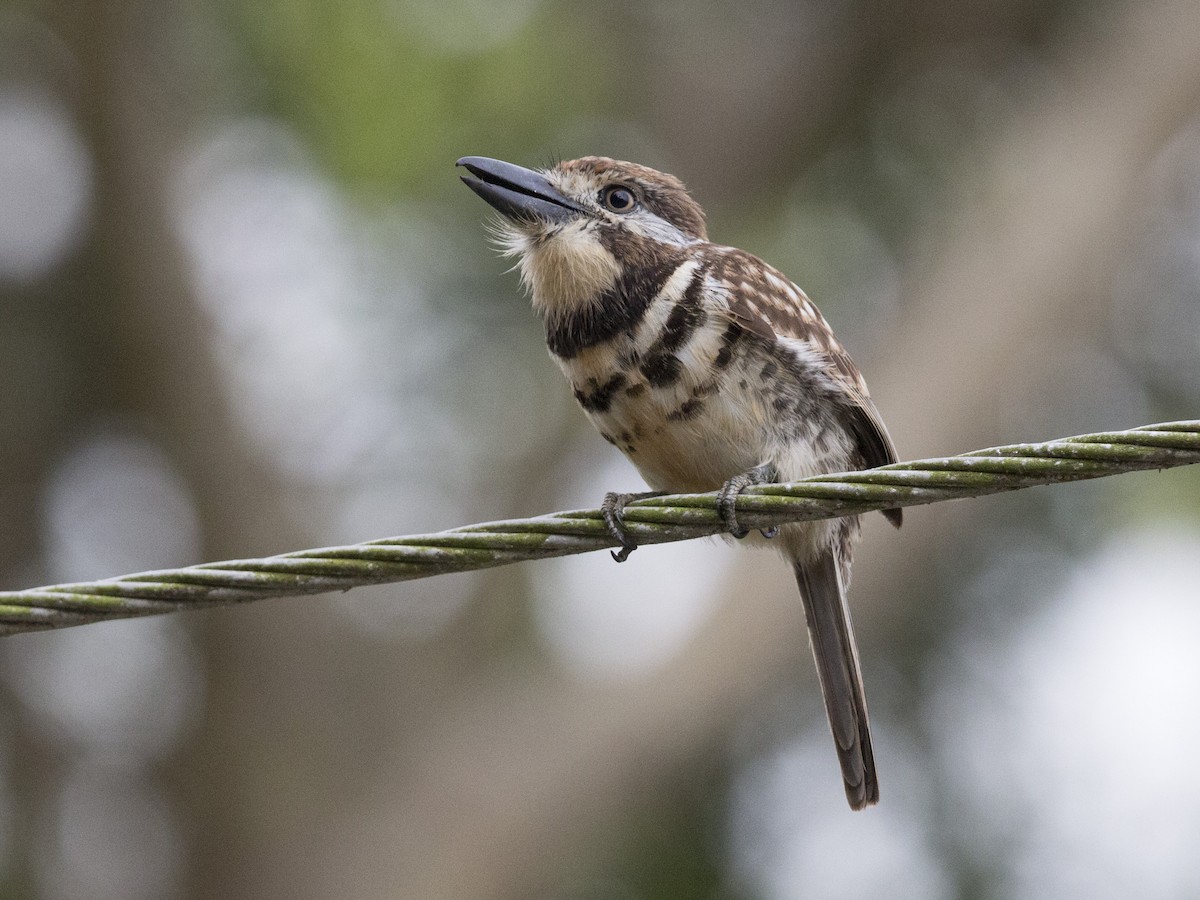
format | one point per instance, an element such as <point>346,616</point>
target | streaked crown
<point>657,194</point>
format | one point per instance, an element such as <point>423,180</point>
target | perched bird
<point>707,368</point>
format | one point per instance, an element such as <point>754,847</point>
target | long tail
<point>832,637</point>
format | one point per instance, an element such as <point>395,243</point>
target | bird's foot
<point>613,509</point>
<point>727,498</point>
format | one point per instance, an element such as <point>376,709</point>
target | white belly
<point>697,434</point>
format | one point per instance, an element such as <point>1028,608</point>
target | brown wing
<point>874,443</point>
<point>766,303</point>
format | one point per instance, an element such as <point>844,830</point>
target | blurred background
<point>246,307</point>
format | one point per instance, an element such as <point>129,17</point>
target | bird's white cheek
<point>568,269</point>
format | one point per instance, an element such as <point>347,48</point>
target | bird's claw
<point>612,510</point>
<point>731,489</point>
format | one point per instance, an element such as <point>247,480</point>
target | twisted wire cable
<point>655,520</point>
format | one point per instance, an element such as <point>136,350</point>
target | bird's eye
<point>618,199</point>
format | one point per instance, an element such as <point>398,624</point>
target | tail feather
<point>832,637</point>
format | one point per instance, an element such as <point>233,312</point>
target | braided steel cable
<point>654,520</point>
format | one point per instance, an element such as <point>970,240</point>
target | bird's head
<point>580,227</point>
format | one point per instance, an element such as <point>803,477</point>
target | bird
<point>708,369</point>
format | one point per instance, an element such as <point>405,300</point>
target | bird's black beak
<point>517,193</point>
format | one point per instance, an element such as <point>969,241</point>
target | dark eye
<point>617,198</point>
